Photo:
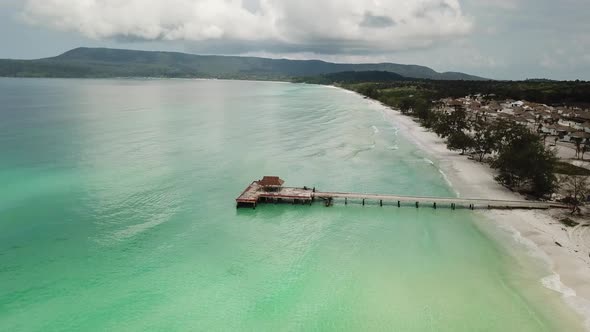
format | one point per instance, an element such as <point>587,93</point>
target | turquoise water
<point>117,213</point>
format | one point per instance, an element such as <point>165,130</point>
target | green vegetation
<point>569,222</point>
<point>393,93</point>
<point>519,155</point>
<point>523,161</point>
<point>569,169</point>
<point>101,62</point>
<point>354,77</point>
<point>577,189</point>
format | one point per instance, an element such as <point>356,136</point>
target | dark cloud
<point>435,8</point>
<point>252,6</point>
<point>375,21</point>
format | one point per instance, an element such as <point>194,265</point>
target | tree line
<point>556,93</point>
<point>518,154</point>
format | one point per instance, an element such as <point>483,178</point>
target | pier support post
<point>399,204</point>
<point>345,201</point>
<point>452,206</point>
<point>363,202</point>
<point>417,205</point>
<point>381,202</point>
<point>434,205</point>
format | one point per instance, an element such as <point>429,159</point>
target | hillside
<point>353,77</point>
<point>102,62</point>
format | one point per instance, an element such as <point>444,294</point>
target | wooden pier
<point>270,190</point>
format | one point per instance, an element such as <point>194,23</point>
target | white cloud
<point>469,58</point>
<point>340,25</point>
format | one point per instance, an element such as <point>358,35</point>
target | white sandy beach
<point>539,230</point>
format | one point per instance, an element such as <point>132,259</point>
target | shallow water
<point>117,212</point>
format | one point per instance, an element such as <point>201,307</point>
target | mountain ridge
<point>107,62</point>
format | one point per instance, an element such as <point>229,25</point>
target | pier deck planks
<point>255,193</point>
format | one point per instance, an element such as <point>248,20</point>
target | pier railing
<point>255,194</point>
<point>435,202</point>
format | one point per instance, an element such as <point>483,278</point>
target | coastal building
<point>507,110</point>
<point>271,183</point>
<point>580,136</point>
<point>567,124</point>
<point>555,130</point>
<point>520,120</point>
<point>582,116</point>
<point>270,189</point>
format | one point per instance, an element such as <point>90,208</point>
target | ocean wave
<point>361,150</point>
<point>320,153</point>
<point>553,282</point>
<point>419,161</point>
<point>532,249</point>
<point>134,230</point>
<point>569,295</point>
<point>449,183</point>
<point>375,130</point>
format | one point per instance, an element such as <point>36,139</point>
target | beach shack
<point>270,189</point>
<point>271,183</point>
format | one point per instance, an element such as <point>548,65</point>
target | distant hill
<point>353,77</point>
<point>103,62</point>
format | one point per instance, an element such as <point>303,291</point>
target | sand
<point>568,261</point>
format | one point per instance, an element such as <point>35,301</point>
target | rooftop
<point>271,181</point>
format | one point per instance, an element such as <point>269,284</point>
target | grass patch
<point>568,222</point>
<point>569,169</point>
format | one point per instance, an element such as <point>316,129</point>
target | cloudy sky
<point>501,39</point>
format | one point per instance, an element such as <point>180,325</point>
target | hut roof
<point>271,181</point>
<point>558,127</point>
<point>580,134</point>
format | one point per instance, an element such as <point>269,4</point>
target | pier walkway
<point>270,190</point>
<point>435,202</point>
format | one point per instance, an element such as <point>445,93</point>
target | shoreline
<point>539,231</point>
